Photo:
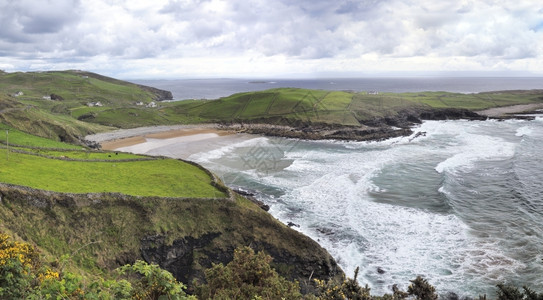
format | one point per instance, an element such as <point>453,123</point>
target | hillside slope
<point>68,105</point>
<point>104,209</point>
<point>49,103</point>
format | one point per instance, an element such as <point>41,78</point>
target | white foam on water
<point>525,130</point>
<point>327,189</point>
<point>328,195</point>
<point>218,153</point>
<point>473,148</point>
<point>404,242</point>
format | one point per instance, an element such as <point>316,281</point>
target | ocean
<point>183,89</point>
<point>460,204</point>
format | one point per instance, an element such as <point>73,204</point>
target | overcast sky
<point>272,38</point>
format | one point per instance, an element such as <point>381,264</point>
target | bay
<point>461,205</point>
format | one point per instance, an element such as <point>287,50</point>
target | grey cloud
<point>31,17</point>
<point>297,30</point>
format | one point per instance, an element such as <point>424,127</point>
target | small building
<point>373,93</point>
<point>19,93</point>
<point>93,104</point>
<point>152,104</point>
<point>46,97</point>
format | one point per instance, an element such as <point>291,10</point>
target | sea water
<point>460,204</point>
<point>215,88</point>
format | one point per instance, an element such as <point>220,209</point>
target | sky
<point>137,39</point>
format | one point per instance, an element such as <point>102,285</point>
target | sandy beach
<point>191,139</point>
<point>178,141</point>
<point>123,138</point>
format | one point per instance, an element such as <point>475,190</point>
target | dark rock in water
<point>451,296</point>
<point>259,203</point>
<point>290,224</point>
<point>380,270</point>
<point>418,134</point>
<point>326,231</point>
<point>243,192</point>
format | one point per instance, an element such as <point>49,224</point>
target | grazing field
<point>159,177</point>
<point>331,107</point>
<point>54,166</point>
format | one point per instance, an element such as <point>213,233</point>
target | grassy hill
<point>75,113</point>
<point>91,211</point>
<point>49,103</point>
<point>336,107</point>
<point>288,106</point>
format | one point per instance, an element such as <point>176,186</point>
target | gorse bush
<point>421,289</point>
<point>152,282</point>
<point>18,263</point>
<point>24,275</point>
<point>347,288</point>
<point>248,276</point>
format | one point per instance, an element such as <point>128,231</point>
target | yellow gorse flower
<point>23,252</point>
<point>48,275</point>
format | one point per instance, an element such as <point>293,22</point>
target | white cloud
<point>257,37</point>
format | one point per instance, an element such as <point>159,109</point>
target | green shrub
<point>421,289</point>
<point>507,292</point>
<point>151,282</point>
<point>248,276</point>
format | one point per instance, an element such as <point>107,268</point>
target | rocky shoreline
<point>369,130</point>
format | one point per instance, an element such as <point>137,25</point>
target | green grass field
<point>331,107</point>
<point>17,137</point>
<point>44,165</point>
<point>161,177</point>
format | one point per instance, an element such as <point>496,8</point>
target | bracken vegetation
<point>24,274</point>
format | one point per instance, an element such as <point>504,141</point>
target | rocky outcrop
<point>450,114</point>
<point>183,236</point>
<point>373,129</point>
<point>56,97</point>
<point>178,257</point>
<point>158,94</point>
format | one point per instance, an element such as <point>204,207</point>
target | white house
<point>92,104</point>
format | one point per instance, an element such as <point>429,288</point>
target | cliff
<point>184,236</point>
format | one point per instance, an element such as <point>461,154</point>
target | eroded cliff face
<point>186,258</point>
<point>183,236</point>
